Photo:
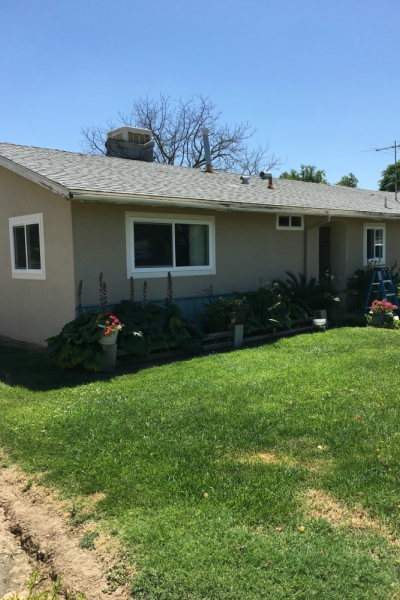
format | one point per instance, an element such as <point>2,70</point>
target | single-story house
<point>66,216</point>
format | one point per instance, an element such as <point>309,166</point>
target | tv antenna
<point>395,163</point>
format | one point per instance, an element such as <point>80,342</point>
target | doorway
<point>324,252</point>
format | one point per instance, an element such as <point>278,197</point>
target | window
<point>157,244</point>
<point>27,252</point>
<point>374,243</point>
<point>289,222</point>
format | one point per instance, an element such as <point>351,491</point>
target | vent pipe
<point>265,175</point>
<point>207,151</point>
<point>245,179</point>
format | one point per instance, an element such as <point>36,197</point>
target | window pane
<point>191,245</point>
<point>370,244</point>
<point>284,221</point>
<point>19,247</point>
<point>33,246</point>
<point>153,244</point>
<point>296,221</point>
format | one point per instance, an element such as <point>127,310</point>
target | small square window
<point>289,222</point>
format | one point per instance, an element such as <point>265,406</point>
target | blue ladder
<point>381,277</point>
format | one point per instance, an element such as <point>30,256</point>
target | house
<point>66,216</point>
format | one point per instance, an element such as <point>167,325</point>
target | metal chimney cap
<point>205,131</point>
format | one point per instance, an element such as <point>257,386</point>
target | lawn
<point>266,473</point>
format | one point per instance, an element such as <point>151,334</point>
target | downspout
<point>306,230</point>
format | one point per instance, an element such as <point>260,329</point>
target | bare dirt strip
<point>35,535</point>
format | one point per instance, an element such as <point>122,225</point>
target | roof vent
<point>267,175</point>
<point>130,142</point>
<point>245,178</point>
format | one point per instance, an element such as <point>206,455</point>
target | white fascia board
<point>81,196</point>
<point>35,177</point>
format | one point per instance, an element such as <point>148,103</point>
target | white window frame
<point>374,226</point>
<point>146,272</point>
<point>27,273</point>
<point>289,227</point>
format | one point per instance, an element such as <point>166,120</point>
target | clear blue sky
<point>320,79</point>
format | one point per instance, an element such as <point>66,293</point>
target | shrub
<point>77,344</point>
<point>157,327</point>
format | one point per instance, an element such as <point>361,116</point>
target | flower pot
<point>379,319</point>
<point>108,340</point>
<point>240,314</point>
<point>319,324</point>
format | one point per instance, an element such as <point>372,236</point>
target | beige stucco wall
<point>34,310</point>
<point>248,248</point>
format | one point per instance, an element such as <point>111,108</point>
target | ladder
<point>381,278</point>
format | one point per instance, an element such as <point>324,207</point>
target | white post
<point>238,336</point>
<point>110,358</point>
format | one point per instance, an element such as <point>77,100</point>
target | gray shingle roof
<point>83,173</point>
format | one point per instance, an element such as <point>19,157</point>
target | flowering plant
<point>382,307</point>
<point>111,324</point>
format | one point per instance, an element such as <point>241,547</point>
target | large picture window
<point>158,244</point>
<point>27,251</point>
<point>374,243</point>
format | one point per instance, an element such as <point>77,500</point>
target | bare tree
<point>177,131</point>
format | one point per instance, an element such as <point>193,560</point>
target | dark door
<point>324,251</point>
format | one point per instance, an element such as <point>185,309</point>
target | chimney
<point>207,152</point>
<point>265,175</point>
<point>130,142</point>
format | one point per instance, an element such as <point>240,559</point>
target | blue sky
<point>319,79</point>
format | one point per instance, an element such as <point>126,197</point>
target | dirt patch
<point>268,458</point>
<point>35,535</point>
<point>320,505</point>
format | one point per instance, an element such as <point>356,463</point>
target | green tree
<point>306,173</point>
<point>386,184</point>
<point>349,180</point>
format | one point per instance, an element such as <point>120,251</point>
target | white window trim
<point>290,227</point>
<point>145,273</point>
<point>374,226</point>
<point>27,273</point>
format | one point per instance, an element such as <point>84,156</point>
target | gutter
<point>81,196</point>
<point>306,230</point>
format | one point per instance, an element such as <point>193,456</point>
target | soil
<point>35,535</point>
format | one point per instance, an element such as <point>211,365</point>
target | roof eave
<point>87,196</point>
<point>35,177</point>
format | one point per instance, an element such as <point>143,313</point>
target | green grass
<point>172,447</point>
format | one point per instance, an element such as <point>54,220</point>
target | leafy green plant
<point>77,344</point>
<point>309,295</point>
<point>155,328</point>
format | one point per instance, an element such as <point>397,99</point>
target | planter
<point>379,319</point>
<point>319,324</point>
<point>240,314</point>
<point>108,340</point>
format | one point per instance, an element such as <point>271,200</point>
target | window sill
<point>28,275</point>
<point>175,271</point>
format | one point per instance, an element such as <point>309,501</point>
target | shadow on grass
<point>33,370</point>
